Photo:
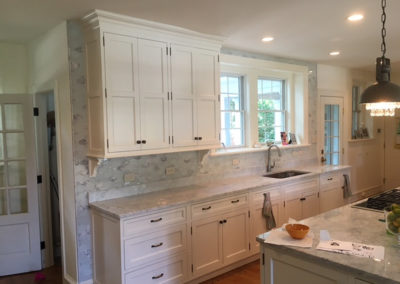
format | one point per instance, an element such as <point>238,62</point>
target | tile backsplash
<point>137,175</point>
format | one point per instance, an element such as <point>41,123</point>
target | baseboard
<point>224,269</point>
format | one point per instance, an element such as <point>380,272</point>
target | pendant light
<point>383,97</point>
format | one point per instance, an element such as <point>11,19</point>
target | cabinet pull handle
<point>330,178</point>
<point>221,222</point>
<point>206,208</point>
<point>158,276</point>
<point>302,199</point>
<point>196,138</point>
<point>157,245</point>
<point>235,201</point>
<point>200,138</point>
<point>138,142</point>
<point>156,220</point>
<point>143,141</point>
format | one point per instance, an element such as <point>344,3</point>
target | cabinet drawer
<point>154,221</point>
<point>211,207</point>
<point>330,180</point>
<point>258,197</point>
<point>171,271</point>
<point>153,246</point>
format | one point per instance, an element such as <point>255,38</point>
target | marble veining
<point>353,225</point>
<point>129,206</point>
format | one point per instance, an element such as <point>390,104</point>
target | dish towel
<point>346,187</point>
<point>267,212</point>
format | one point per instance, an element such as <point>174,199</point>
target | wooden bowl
<point>297,231</point>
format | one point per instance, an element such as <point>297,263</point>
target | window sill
<point>242,150</point>
<point>361,140</point>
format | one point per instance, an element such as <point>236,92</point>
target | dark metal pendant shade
<point>381,92</point>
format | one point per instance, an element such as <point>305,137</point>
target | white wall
<point>365,156</point>
<point>13,68</point>
<point>49,70</point>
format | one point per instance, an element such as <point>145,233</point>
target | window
<point>271,109</point>
<point>232,111</point>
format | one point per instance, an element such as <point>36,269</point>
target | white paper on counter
<point>279,237</point>
<point>362,250</point>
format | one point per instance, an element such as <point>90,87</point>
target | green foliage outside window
<point>266,122</point>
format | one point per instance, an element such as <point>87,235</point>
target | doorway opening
<point>47,164</point>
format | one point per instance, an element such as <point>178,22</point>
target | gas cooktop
<point>380,201</point>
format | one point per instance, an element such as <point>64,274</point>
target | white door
<point>19,218</point>
<point>184,127</point>
<point>331,130</point>
<point>206,87</point>
<point>123,112</point>
<point>207,245</point>
<point>235,241</point>
<point>154,109</point>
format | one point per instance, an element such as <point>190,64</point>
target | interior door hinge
<point>263,259</point>
<point>191,230</point>
<point>105,92</point>
<point>171,95</point>
<point>108,145</point>
<point>166,50</point>
<point>249,213</point>
<point>35,111</point>
<point>318,194</point>
<point>284,203</point>
<point>172,139</point>
<point>42,245</point>
<point>170,52</point>
<point>39,179</point>
<point>104,41</point>
<point>169,139</point>
<point>192,268</point>
<point>249,246</point>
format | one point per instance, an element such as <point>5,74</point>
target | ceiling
<point>303,29</point>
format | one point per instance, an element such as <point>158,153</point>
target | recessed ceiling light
<point>355,17</point>
<point>334,53</point>
<point>267,39</point>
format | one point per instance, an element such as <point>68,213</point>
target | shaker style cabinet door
<point>153,87</point>
<point>184,127</point>
<point>122,92</point>
<point>206,87</point>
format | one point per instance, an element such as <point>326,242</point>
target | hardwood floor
<point>52,275</point>
<point>247,274</point>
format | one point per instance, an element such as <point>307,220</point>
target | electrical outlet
<point>169,171</point>
<point>129,177</point>
<point>235,162</point>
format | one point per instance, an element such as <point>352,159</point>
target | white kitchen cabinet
<point>258,223</point>
<point>301,199</point>
<point>151,88</point>
<point>195,100</point>
<point>331,190</point>
<point>220,239</point>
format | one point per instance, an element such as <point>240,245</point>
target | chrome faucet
<point>269,166</point>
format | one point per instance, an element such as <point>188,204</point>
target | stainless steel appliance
<point>380,201</point>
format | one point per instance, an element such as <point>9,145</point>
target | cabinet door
<point>184,127</point>
<point>259,224</point>
<point>207,245</point>
<point>206,87</point>
<point>121,74</point>
<point>293,206</point>
<point>235,241</point>
<point>331,199</point>
<point>154,109</point>
<point>310,205</point>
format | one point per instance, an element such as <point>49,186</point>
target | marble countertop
<point>128,206</point>
<point>355,225</point>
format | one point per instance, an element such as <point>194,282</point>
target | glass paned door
<point>331,120</point>
<point>19,218</point>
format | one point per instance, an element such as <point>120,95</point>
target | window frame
<point>242,108</point>
<point>283,109</point>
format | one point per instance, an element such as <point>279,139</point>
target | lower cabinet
<point>219,240</point>
<point>331,190</point>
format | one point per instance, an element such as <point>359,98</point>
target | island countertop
<point>353,225</point>
<point>128,206</point>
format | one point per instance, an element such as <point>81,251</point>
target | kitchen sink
<point>285,174</point>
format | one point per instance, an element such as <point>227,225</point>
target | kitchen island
<point>284,264</point>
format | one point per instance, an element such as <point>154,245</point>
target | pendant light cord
<point>383,31</point>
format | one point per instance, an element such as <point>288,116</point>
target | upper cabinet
<point>151,88</point>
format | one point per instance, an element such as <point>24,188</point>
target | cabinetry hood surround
<point>149,171</point>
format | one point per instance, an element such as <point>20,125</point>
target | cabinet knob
<point>225,221</point>
<point>200,138</point>
<point>196,138</point>
<point>221,222</point>
<point>143,141</point>
<point>138,142</point>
